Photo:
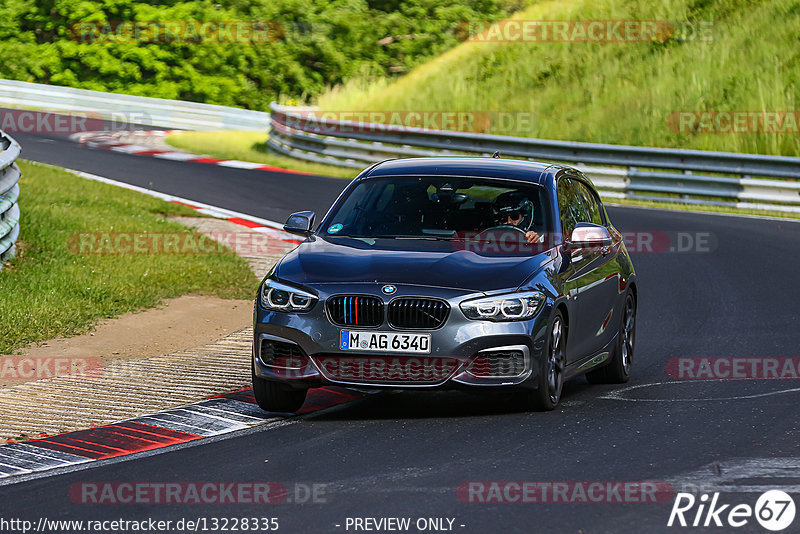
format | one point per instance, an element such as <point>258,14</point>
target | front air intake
<point>498,364</point>
<point>418,313</point>
<point>281,354</point>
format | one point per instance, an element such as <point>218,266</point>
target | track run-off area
<point>720,297</point>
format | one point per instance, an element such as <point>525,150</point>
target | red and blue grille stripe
<point>351,310</point>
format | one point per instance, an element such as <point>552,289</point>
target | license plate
<point>385,342</point>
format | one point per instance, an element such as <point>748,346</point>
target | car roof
<point>529,171</point>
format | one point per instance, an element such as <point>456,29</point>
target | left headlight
<point>509,307</point>
<point>281,297</point>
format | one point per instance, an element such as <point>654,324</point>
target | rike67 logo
<point>774,510</point>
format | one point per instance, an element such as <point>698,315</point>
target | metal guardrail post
<point>173,114</point>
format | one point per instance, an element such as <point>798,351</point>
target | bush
<point>314,44</point>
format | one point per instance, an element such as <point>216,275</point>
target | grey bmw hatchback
<point>449,273</point>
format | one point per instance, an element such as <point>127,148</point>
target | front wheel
<point>551,370</point>
<point>276,397</point>
<point>618,370</point>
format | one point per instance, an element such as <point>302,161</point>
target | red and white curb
<point>256,224</point>
<point>218,415</point>
<point>111,141</point>
<point>211,417</point>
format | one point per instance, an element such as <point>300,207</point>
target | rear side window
<point>591,202</point>
<point>570,206</point>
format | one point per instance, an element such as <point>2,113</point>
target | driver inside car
<point>514,209</point>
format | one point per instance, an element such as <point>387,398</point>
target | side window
<point>570,206</point>
<point>591,202</point>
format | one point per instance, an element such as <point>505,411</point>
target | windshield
<point>437,208</point>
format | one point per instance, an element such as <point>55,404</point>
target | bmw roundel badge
<point>388,289</point>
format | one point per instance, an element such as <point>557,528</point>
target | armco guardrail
<point>9,193</point>
<point>174,114</point>
<point>659,174</point>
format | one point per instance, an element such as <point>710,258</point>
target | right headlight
<point>281,297</point>
<point>508,307</point>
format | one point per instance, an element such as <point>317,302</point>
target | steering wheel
<point>501,228</point>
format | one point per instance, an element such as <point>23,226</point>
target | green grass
<point>249,146</point>
<point>49,291</point>
<point>620,93</point>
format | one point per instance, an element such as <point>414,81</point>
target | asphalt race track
<point>405,454</point>
<point>239,190</point>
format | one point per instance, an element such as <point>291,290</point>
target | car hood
<point>405,261</point>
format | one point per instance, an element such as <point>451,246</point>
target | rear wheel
<point>551,371</point>
<point>618,370</point>
<point>276,397</point>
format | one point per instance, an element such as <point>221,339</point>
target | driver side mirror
<point>588,235</point>
<point>300,223</point>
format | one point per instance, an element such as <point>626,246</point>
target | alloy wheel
<point>628,334</point>
<point>555,361</point>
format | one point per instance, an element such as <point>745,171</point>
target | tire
<point>276,397</point>
<point>551,370</point>
<point>618,370</point>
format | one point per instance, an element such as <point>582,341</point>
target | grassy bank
<point>730,55</point>
<point>51,290</point>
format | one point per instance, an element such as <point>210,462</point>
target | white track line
<point>619,394</point>
<point>207,208</point>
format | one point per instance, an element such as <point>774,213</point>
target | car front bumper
<point>459,355</point>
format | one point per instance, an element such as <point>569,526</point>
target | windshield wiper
<point>428,237</point>
<point>397,236</point>
<point>420,236</point>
